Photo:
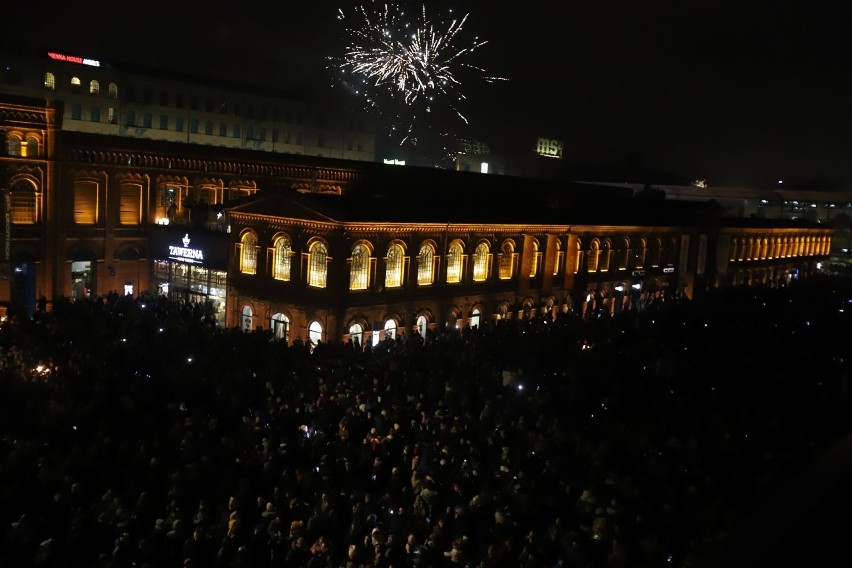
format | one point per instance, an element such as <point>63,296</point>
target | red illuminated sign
<point>73,59</point>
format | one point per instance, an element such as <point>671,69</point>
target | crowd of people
<point>134,432</point>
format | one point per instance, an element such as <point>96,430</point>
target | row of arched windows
<point>23,145</point>
<point>600,256</point>
<point>757,248</point>
<point>77,85</point>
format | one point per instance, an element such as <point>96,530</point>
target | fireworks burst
<point>404,68</point>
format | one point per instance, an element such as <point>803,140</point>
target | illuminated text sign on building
<point>549,148</point>
<point>73,59</point>
<point>184,253</point>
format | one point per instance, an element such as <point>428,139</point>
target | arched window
<point>454,262</point>
<point>656,252</point>
<point>315,332</point>
<point>394,267</point>
<point>480,262</point>
<point>85,202</point>
<point>359,267</point>
<point>248,253</point>
<point>356,333</point>
<point>623,255</point>
<point>130,204</point>
<point>50,81</point>
<point>536,259</point>
<point>559,258</point>
<point>280,325</point>
<point>247,317</point>
<point>205,194</point>
<point>426,265</point>
<point>475,318</point>
<point>422,326</point>
<point>282,254</point>
<point>31,150</point>
<point>639,254</point>
<point>75,84</point>
<point>390,329</point>
<point>594,254</point>
<point>113,91</point>
<point>578,261</point>
<point>317,265</point>
<point>507,260</point>
<point>605,255</point>
<point>23,204</point>
<point>94,87</point>
<point>13,145</point>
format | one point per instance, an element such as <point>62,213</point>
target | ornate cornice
<point>298,177</point>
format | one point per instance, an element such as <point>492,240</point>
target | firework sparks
<point>404,68</point>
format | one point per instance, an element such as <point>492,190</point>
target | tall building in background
<point>116,99</point>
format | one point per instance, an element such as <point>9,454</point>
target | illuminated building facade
<point>323,249</point>
<point>124,100</point>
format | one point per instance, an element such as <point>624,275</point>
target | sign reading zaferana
<point>549,148</point>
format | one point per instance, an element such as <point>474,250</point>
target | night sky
<point>737,93</point>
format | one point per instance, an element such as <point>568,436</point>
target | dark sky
<point>732,92</point>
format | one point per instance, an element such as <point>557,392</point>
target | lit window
<point>359,268</point>
<point>394,269</point>
<point>390,329</point>
<point>507,260</point>
<point>281,258</point>
<point>480,262</point>
<point>425,265</point>
<point>94,87</point>
<point>31,149</point>
<point>315,332</point>
<point>536,260</point>
<point>592,261</point>
<point>23,204</point>
<point>75,84</point>
<point>248,253</point>
<point>454,262</point>
<point>248,314</point>
<point>356,332</point>
<point>130,204</point>
<point>605,256</point>
<point>85,202</point>
<point>317,265</point>
<point>560,258</point>
<point>623,255</point>
<point>280,325</point>
<point>113,91</point>
<point>50,81</point>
